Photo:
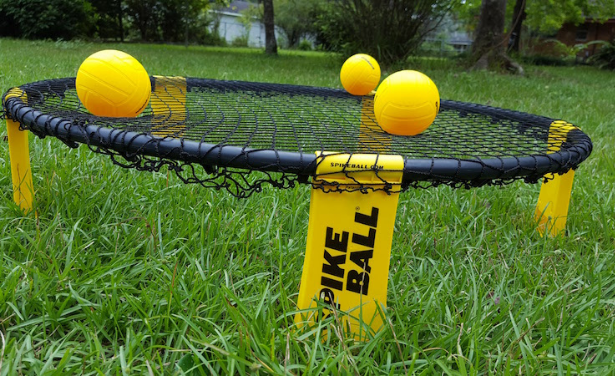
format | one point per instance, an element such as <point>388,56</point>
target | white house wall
<point>231,28</point>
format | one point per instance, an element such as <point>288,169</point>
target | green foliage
<point>467,13</point>
<point>199,31</point>
<point>437,47</point>
<point>561,49</point>
<point>149,20</point>
<point>165,20</point>
<point>545,16</point>
<point>604,58</point>
<point>305,45</point>
<point>246,20</point>
<point>389,32</point>
<point>241,41</point>
<point>548,16</point>
<point>39,19</point>
<point>109,19</point>
<point>144,18</point>
<point>562,54</point>
<point>546,60</point>
<point>297,18</point>
<point>248,16</point>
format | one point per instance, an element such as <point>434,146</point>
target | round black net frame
<point>246,135</point>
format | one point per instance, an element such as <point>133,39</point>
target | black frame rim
<point>129,143</point>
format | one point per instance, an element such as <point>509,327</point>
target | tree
<point>518,17</point>
<point>37,19</point>
<point>110,18</point>
<point>548,16</point>
<point>296,18</point>
<point>143,14</point>
<point>271,46</point>
<point>488,49</point>
<point>544,16</point>
<point>166,20</point>
<point>390,32</point>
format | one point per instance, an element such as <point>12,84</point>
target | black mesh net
<point>244,135</point>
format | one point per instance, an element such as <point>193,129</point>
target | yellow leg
<point>554,199</point>
<point>19,152</point>
<point>168,103</point>
<point>346,267</point>
<point>371,136</point>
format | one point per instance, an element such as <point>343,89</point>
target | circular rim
<point>476,171</point>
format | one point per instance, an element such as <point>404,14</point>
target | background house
<point>449,38</point>
<point>569,37</point>
<point>233,27</point>
<point>588,31</point>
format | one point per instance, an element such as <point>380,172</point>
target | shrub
<point>389,30</point>
<point>241,41</point>
<point>46,19</point>
<point>436,48</point>
<point>548,60</point>
<point>605,57</point>
<point>305,45</point>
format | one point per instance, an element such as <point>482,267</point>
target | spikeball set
<point>357,149</point>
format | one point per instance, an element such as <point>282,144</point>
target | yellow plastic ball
<point>406,103</point>
<point>360,74</point>
<point>112,83</point>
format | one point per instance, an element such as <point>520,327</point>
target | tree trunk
<point>488,49</point>
<point>271,46</point>
<point>516,27</point>
<point>120,17</point>
<point>490,30</point>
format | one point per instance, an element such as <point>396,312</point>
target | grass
<point>135,273</point>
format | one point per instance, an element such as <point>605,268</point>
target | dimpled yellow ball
<point>406,103</point>
<point>114,84</point>
<point>360,74</point>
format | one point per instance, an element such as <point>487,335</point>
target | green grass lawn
<point>126,272</point>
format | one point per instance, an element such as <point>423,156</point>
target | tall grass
<point>125,272</point>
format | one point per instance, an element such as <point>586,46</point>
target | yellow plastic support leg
<point>554,199</point>
<point>371,136</point>
<point>19,154</point>
<point>168,103</point>
<point>346,265</point>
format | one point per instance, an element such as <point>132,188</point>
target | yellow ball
<point>114,84</point>
<point>360,74</point>
<point>406,103</point>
